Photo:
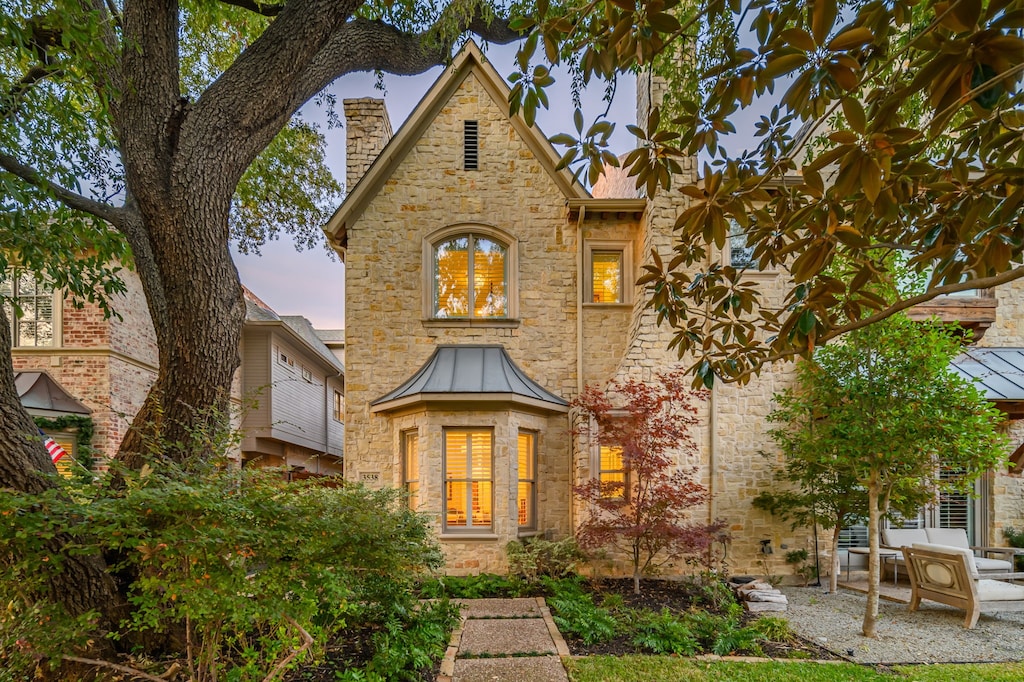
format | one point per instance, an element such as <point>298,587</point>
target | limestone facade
<point>386,232</point>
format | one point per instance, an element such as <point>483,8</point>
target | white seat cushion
<point>954,537</point>
<point>986,564</point>
<point>903,537</point>
<point>945,549</point>
<point>997,590</point>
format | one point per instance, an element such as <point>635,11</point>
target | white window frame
<point>470,527</point>
<point>56,313</point>
<point>627,276</point>
<point>532,500</point>
<point>430,243</point>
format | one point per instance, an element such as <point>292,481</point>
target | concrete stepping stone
<point>523,669</point>
<point>499,608</point>
<point>506,637</point>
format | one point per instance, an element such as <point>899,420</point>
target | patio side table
<point>883,555</point>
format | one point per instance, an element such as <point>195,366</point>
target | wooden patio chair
<point>948,575</point>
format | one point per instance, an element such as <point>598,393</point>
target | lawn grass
<point>669,669</point>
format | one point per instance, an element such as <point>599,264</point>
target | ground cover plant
<point>645,668</point>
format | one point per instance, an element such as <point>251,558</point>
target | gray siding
<point>256,380</point>
<point>299,409</point>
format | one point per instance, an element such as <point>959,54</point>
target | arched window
<point>471,272</point>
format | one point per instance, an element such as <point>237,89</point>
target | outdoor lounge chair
<point>947,575</point>
<point>897,538</point>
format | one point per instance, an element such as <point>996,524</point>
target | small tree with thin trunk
<point>883,411</point>
<point>645,509</point>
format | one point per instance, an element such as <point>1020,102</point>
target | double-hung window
<point>612,473</point>
<point>411,467</point>
<point>33,296</point>
<point>468,466</point>
<point>526,495</point>
<point>608,267</point>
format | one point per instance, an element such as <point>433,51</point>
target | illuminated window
<point>608,266</point>
<point>526,497</point>
<point>471,278</point>
<point>467,479</point>
<point>339,407</point>
<point>612,473</point>
<point>411,467</point>
<point>22,290</point>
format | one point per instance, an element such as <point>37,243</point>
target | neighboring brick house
<point>109,364</point>
<point>484,289</point>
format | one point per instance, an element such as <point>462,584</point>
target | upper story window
<point>35,298</point>
<point>339,407</point>
<point>741,256</point>
<point>472,275</point>
<point>609,272</point>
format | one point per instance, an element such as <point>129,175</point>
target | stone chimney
<point>368,130</point>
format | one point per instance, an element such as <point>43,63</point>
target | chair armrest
<point>999,550</point>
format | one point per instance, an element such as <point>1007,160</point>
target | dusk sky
<point>311,283</point>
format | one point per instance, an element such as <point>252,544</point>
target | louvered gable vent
<point>471,145</point>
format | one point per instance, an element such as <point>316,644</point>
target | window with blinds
<point>471,278</point>
<point>33,297</point>
<point>411,468</point>
<point>612,473</point>
<point>469,497</point>
<point>606,277</point>
<point>526,495</point>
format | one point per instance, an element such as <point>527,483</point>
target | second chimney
<point>368,130</point>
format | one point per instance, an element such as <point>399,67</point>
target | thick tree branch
<point>263,8</point>
<point>111,214</point>
<point>9,104</point>
<point>899,306</point>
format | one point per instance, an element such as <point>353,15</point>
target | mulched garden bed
<point>678,596</point>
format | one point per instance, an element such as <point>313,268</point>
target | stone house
<point>484,289</point>
<point>71,361</point>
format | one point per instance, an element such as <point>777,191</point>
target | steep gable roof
<point>470,60</point>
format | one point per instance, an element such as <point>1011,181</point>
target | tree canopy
<point>891,133</point>
<point>881,413</point>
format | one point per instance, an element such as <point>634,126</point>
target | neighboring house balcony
<point>974,309</point>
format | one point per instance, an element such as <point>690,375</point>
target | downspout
<point>573,510</point>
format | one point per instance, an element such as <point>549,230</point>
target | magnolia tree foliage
<point>882,411</point>
<point>651,516</point>
<point>891,133</point>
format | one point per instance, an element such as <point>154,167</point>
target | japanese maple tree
<point>651,514</point>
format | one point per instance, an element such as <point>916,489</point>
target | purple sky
<point>310,283</point>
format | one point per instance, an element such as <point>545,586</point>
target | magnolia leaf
<point>851,38</point>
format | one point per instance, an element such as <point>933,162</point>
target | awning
<point>470,374</point>
<point>42,396</point>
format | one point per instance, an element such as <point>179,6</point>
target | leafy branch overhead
<point>889,140</point>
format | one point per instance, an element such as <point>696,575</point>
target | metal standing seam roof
<point>478,372</point>
<point>997,371</point>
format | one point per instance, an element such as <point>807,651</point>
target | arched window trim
<point>511,244</point>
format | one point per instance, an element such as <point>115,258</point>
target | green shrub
<point>533,558</point>
<point>723,635</point>
<point>578,616</point>
<point>663,633</point>
<point>472,586</point>
<point>773,628</point>
<point>1016,539</point>
<point>237,563</point>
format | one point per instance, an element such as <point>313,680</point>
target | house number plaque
<point>370,476</point>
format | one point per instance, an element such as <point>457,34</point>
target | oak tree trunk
<point>82,584</point>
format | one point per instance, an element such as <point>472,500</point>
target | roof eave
<point>468,59</point>
<point>492,400</point>
<point>278,324</point>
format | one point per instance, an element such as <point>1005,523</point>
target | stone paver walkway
<point>499,640</point>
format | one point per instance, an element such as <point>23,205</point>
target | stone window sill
<point>458,537</point>
<point>608,305</point>
<point>503,323</point>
